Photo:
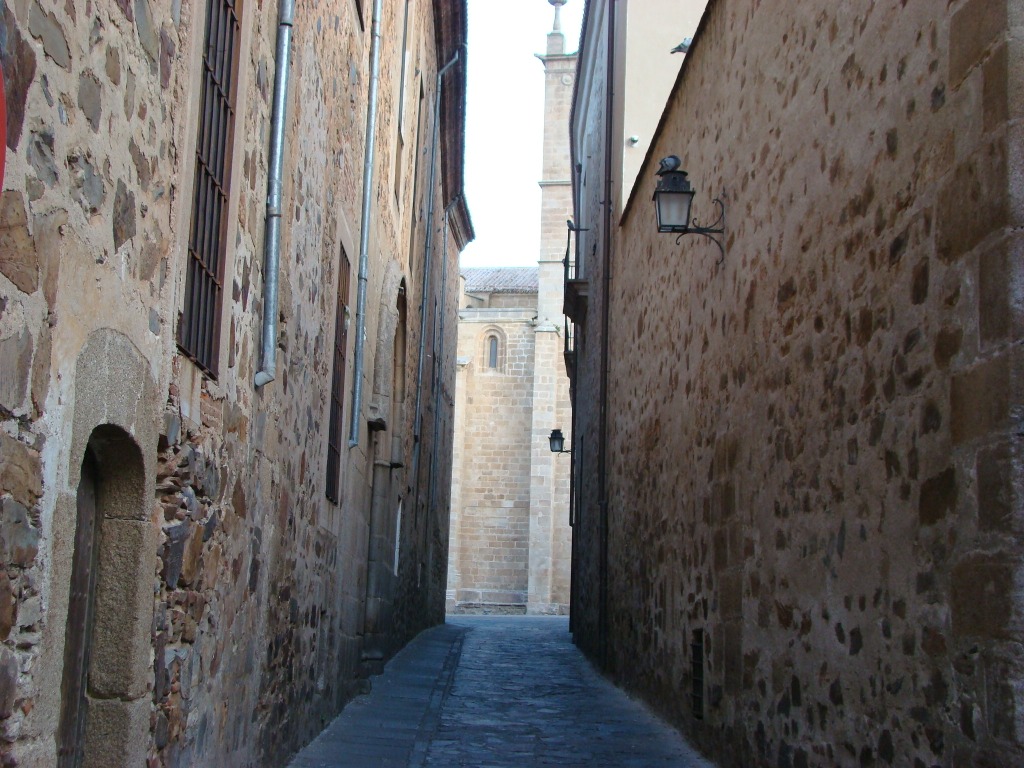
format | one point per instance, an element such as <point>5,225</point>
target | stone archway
<point>80,620</point>
<point>99,686</point>
<point>97,650</point>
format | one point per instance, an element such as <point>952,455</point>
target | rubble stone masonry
<point>814,446</point>
<point>231,597</point>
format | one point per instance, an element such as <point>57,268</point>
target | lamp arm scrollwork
<point>716,228</point>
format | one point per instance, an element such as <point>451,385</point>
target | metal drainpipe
<point>432,489</point>
<point>272,239</point>
<point>602,455</point>
<point>427,269</point>
<point>364,224</point>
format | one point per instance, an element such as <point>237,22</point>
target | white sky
<point>504,125</point>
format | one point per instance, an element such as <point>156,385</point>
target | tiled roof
<point>501,279</point>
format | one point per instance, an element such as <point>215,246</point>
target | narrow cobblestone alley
<point>495,691</point>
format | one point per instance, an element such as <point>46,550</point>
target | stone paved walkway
<point>484,692</point>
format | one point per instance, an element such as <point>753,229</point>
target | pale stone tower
<point>510,545</point>
<point>549,498</point>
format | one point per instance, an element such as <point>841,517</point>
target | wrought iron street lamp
<point>557,441</point>
<point>673,198</point>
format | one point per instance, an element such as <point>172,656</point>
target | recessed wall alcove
<point>98,637</point>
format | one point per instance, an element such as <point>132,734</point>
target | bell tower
<point>550,541</point>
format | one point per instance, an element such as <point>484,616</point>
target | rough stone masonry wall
<point>260,581</point>
<point>85,230</point>
<point>256,630</point>
<point>420,590</point>
<point>815,451</point>
<point>283,631</point>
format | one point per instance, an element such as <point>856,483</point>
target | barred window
<point>199,326</point>
<point>336,427</point>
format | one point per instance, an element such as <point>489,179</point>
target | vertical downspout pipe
<point>275,187</point>
<point>364,224</point>
<point>427,270</point>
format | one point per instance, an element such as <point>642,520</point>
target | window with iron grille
<point>199,326</point>
<point>335,429</point>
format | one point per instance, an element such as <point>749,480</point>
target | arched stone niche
<point>387,324</point>
<point>493,349</point>
<point>115,421</point>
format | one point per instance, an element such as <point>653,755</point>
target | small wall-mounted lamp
<point>673,198</point>
<point>557,441</point>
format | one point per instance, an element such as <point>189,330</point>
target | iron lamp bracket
<point>717,227</point>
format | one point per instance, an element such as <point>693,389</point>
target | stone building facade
<point>510,547</point>
<point>204,548</point>
<point>797,463</point>
<point>509,519</point>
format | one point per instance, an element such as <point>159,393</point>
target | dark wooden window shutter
<point>336,428</point>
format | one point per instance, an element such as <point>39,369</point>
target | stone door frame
<point>115,418</point>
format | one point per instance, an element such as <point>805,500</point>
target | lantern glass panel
<point>557,441</point>
<point>674,210</point>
